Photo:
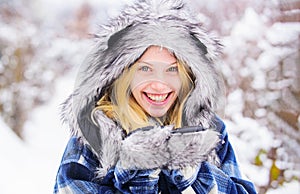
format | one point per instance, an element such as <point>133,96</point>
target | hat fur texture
<point>119,43</point>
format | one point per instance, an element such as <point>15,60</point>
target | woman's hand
<point>189,146</point>
<point>146,148</point>
<point>158,147</point>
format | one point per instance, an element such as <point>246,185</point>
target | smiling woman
<point>156,86</point>
<point>143,116</point>
<point>157,83</point>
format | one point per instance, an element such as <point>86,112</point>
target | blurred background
<point>43,43</point>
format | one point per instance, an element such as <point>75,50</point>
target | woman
<point>143,114</point>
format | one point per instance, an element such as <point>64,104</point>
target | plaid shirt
<point>76,174</point>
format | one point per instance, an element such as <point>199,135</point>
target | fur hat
<point>166,23</point>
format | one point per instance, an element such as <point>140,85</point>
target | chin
<point>157,114</point>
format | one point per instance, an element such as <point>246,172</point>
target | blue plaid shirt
<point>76,174</point>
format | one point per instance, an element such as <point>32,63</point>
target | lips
<point>157,98</point>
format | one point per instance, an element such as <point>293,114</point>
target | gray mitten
<point>190,146</point>
<point>146,148</point>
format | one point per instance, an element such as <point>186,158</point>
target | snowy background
<point>43,43</point>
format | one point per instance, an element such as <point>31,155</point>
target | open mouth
<point>158,98</point>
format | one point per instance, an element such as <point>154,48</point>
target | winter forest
<point>44,42</point>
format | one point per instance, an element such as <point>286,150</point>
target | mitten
<point>145,148</point>
<point>189,146</point>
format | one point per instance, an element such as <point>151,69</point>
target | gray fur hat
<point>166,23</point>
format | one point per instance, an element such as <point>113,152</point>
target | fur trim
<point>111,138</point>
<point>167,23</point>
<point>146,149</point>
<point>190,149</point>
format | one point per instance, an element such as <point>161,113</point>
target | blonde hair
<point>119,104</point>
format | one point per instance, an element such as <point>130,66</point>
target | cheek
<point>136,91</point>
<point>137,85</point>
<point>176,85</point>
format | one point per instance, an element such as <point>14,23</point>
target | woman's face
<point>156,82</point>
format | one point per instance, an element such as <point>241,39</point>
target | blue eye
<point>144,68</point>
<point>173,69</point>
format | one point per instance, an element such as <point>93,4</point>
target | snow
<point>281,33</point>
<point>288,188</point>
<point>30,166</point>
<point>252,23</point>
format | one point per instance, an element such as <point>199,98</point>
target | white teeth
<point>157,97</point>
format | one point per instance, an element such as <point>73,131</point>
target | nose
<point>158,86</point>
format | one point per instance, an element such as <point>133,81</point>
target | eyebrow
<point>156,62</point>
